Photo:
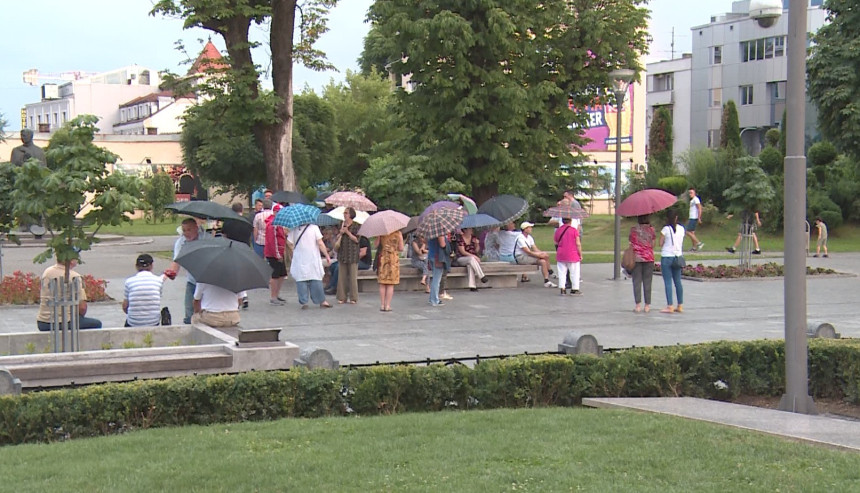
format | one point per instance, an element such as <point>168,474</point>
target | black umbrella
<point>228,264</point>
<point>413,224</point>
<point>205,209</point>
<point>505,208</point>
<point>289,197</point>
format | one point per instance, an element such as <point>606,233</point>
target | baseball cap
<point>143,260</point>
<point>526,224</point>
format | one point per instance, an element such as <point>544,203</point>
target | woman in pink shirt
<point>642,238</point>
<point>568,255</point>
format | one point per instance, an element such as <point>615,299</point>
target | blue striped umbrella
<point>295,215</point>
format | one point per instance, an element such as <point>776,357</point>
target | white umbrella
<point>383,223</point>
<point>337,213</point>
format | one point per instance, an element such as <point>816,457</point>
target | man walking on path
<point>142,298</point>
<point>695,214</point>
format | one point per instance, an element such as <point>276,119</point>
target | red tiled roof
<point>209,59</point>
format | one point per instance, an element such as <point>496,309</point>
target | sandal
<point>325,304</point>
<point>352,302</point>
<point>668,309</point>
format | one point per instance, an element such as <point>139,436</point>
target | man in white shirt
<point>142,298</point>
<point>526,252</point>
<point>191,231</point>
<point>215,306</point>
<point>695,214</point>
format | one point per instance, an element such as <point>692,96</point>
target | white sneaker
<point>550,284</point>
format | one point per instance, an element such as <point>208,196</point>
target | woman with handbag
<point>672,260</point>
<point>642,239</point>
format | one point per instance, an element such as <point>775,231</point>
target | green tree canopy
<point>75,194</point>
<point>315,142</point>
<point>752,190</point>
<point>833,71</point>
<point>730,128</point>
<point>495,80</point>
<point>660,137</point>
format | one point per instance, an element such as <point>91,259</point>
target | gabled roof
<point>209,59</point>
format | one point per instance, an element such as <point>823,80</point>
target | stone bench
<point>501,274</point>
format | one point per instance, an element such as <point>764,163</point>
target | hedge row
<point>754,368</point>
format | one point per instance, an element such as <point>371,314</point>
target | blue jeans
<point>85,323</point>
<point>315,287</point>
<point>671,275</point>
<point>189,302</point>
<point>434,284</point>
<point>258,249</point>
<point>333,269</point>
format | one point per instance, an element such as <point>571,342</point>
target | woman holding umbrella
<point>642,238</point>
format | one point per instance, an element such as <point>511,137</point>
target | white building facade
<point>741,56</point>
<point>99,95</point>
<point>668,84</point>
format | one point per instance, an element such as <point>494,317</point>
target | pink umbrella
<point>351,199</point>
<point>383,223</point>
<point>646,201</point>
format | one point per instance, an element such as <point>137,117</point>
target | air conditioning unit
<point>50,91</point>
<point>640,168</point>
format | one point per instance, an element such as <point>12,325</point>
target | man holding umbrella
<point>190,232</point>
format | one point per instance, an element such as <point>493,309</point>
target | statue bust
<point>27,150</point>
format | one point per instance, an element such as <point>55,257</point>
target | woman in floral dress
<point>388,272</point>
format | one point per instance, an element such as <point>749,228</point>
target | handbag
<point>166,319</point>
<point>679,262</point>
<point>628,259</point>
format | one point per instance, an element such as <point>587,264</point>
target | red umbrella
<point>351,199</point>
<point>646,201</point>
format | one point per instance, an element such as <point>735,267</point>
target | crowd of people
<point>335,254</point>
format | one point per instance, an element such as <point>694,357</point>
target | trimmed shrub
<point>721,370</point>
<point>675,185</point>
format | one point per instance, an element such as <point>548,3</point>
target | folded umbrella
<point>441,222</point>
<point>479,221</point>
<point>225,263</point>
<point>505,208</point>
<point>289,197</point>
<point>383,223</point>
<point>351,199</point>
<point>205,209</point>
<point>646,201</point>
<point>293,216</point>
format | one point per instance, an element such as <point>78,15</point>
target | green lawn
<point>556,449</point>
<point>139,227</point>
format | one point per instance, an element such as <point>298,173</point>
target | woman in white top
<point>672,245</point>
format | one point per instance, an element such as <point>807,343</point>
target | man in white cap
<point>526,252</point>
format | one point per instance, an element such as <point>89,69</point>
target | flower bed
<point>24,289</point>
<point>770,269</point>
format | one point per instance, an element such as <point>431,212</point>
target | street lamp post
<point>796,397</point>
<point>621,79</point>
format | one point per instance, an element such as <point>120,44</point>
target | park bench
<point>501,274</point>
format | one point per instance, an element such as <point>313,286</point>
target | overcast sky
<point>56,36</point>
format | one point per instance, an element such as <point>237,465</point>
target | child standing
<point>568,255</point>
<point>822,237</point>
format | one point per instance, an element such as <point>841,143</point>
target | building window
<point>746,95</point>
<point>664,82</point>
<point>122,117</point>
<point>778,90</point>
<point>716,55</point>
<point>779,46</point>
<point>715,97</point>
<point>65,117</point>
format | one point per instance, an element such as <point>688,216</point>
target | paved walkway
<point>530,318</point>
<point>839,433</point>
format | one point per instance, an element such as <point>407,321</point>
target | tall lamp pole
<point>796,398</point>
<point>621,79</point>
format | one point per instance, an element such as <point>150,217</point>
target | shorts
<point>691,225</point>
<point>279,268</point>
<point>527,260</point>
<point>822,241</point>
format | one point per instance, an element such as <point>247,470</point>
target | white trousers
<point>573,268</point>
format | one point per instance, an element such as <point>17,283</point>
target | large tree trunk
<point>277,139</point>
<point>483,193</point>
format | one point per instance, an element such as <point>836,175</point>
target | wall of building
<point>677,99</point>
